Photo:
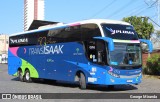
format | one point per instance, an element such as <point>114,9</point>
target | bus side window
<point>89,31</point>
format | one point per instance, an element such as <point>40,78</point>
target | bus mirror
<point>149,43</point>
<point>109,40</point>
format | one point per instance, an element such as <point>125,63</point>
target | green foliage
<point>141,25</point>
<point>153,65</point>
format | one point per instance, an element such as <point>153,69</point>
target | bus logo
<point>119,31</point>
<point>77,52</point>
<point>25,50</point>
<point>57,49</point>
<point>77,49</point>
<point>112,31</point>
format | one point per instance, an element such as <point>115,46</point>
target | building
<point>33,10</point>
<point>4,42</point>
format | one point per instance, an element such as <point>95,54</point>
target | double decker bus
<point>96,51</point>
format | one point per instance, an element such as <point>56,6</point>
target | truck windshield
<point>126,55</point>
<point>117,31</point>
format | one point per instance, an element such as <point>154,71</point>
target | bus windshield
<point>117,31</point>
<point>126,55</point>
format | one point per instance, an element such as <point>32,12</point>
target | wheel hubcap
<point>27,76</point>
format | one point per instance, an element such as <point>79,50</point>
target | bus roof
<point>96,21</point>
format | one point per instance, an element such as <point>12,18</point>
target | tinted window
<point>89,31</point>
<point>75,33</point>
<point>117,31</point>
<point>67,34</point>
<point>38,38</point>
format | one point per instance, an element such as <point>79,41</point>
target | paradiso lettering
<point>57,49</point>
<point>24,40</point>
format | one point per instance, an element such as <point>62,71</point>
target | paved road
<point>9,84</point>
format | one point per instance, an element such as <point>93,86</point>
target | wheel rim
<point>27,76</point>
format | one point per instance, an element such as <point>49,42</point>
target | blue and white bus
<point>96,51</point>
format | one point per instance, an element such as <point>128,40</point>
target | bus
<point>95,51</point>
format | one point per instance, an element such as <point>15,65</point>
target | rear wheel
<point>82,81</point>
<point>27,76</point>
<point>20,75</point>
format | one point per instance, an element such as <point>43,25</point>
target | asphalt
<point>10,84</point>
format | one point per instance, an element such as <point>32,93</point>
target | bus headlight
<point>140,74</point>
<point>113,74</point>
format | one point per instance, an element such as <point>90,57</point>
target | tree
<point>141,26</point>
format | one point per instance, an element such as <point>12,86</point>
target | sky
<point>68,11</point>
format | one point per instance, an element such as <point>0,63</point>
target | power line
<point>143,10</point>
<point>154,2</point>
<point>104,8</point>
<point>140,8</point>
<point>152,5</point>
<point>120,9</point>
<point>136,9</point>
<point>124,8</point>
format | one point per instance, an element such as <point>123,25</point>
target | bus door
<point>96,51</point>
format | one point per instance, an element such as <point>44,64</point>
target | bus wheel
<point>27,76</point>
<point>20,75</point>
<point>82,81</point>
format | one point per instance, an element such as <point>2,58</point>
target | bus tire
<point>20,76</point>
<point>82,81</point>
<point>27,76</point>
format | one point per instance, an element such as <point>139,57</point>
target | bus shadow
<point>56,83</point>
<point>102,88</point>
<point>15,79</point>
<point>116,88</point>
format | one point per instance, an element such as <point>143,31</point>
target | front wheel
<point>82,81</point>
<point>27,76</point>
